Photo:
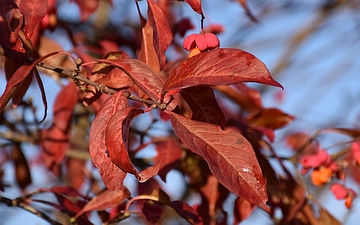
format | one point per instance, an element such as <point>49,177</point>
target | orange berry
<point>321,176</point>
<point>348,201</point>
<point>194,52</point>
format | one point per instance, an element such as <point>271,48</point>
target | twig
<point>25,206</point>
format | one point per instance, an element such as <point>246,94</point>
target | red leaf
<point>17,79</point>
<point>54,143</point>
<point>87,7</point>
<point>271,118</point>
<point>75,172</point>
<point>147,53</point>
<point>33,11</point>
<point>9,40</point>
<point>64,190</point>
<point>142,75</point>
<point>112,175</point>
<point>219,67</point>
<point>106,199</point>
<point>203,104</point>
<point>64,105</point>
<point>229,155</point>
<point>242,210</point>
<point>14,84</point>
<point>22,171</point>
<point>187,212</point>
<point>162,35</point>
<point>116,139</point>
<point>169,151</point>
<point>195,5</point>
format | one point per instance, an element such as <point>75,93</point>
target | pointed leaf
<point>117,143</point>
<point>162,34</point>
<point>54,143</point>
<point>169,151</point>
<point>195,5</point>
<point>229,155</point>
<point>112,175</point>
<point>116,139</point>
<point>271,118</point>
<point>22,171</point>
<point>17,79</point>
<point>9,40</point>
<point>147,53</point>
<point>219,67</point>
<point>64,106</point>
<point>141,74</point>
<point>106,199</point>
<point>203,104</point>
<point>33,11</point>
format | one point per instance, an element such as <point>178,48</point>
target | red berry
<point>189,42</point>
<point>212,41</point>
<point>201,42</point>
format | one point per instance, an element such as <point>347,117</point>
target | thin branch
<point>25,206</point>
<point>17,137</point>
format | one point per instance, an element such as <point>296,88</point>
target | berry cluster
<point>342,192</point>
<point>197,43</point>
<point>322,165</point>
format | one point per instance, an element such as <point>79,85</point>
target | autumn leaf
<point>169,151</point>
<point>106,199</point>
<point>141,74</point>
<point>9,39</point>
<point>203,105</point>
<point>229,155</point>
<point>64,105</point>
<point>195,5</point>
<point>22,170</point>
<point>112,175</point>
<point>116,139</point>
<point>33,11</point>
<point>271,118</point>
<point>219,67</point>
<point>54,143</point>
<point>162,34</point>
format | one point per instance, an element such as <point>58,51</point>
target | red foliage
<point>216,148</point>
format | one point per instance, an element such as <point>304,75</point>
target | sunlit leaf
<point>141,74</point>
<point>195,5</point>
<point>229,155</point>
<point>106,199</point>
<point>33,11</point>
<point>219,67</point>
<point>112,175</point>
<point>116,139</point>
